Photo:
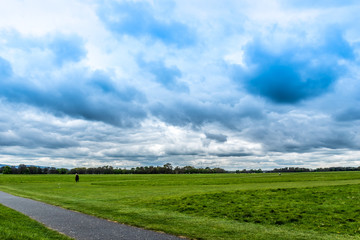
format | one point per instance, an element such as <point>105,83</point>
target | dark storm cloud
<point>137,19</point>
<point>296,72</point>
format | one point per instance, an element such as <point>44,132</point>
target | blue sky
<point>231,84</point>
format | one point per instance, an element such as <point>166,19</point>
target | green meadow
<point>210,206</point>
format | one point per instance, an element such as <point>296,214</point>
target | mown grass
<point>217,206</point>
<point>327,209</point>
<point>14,225</point>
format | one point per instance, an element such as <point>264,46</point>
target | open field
<point>216,206</point>
<point>14,225</point>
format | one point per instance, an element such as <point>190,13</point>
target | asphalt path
<point>78,225</point>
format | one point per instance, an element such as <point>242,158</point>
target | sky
<point>233,84</point>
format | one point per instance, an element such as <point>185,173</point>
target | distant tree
<point>62,170</point>
<point>39,170</point>
<point>177,170</point>
<point>33,170</point>
<point>118,171</point>
<point>14,170</point>
<point>189,169</point>
<point>53,170</point>
<point>22,169</point>
<point>219,170</point>
<point>78,170</point>
<point>168,168</point>
<point>107,170</point>
<point>7,170</point>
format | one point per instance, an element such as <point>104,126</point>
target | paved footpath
<point>78,225</point>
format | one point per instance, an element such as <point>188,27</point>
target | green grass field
<point>216,206</point>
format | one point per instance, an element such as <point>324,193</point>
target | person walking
<point>76,177</point>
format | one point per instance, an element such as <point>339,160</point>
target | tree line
<point>165,169</point>
<point>328,169</point>
<point>299,169</point>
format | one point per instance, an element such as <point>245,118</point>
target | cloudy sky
<point>233,84</point>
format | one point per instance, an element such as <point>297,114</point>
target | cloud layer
<point>130,83</point>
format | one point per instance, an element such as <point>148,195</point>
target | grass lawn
<point>214,206</point>
<point>14,225</point>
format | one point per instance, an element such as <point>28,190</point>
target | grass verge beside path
<point>14,225</point>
